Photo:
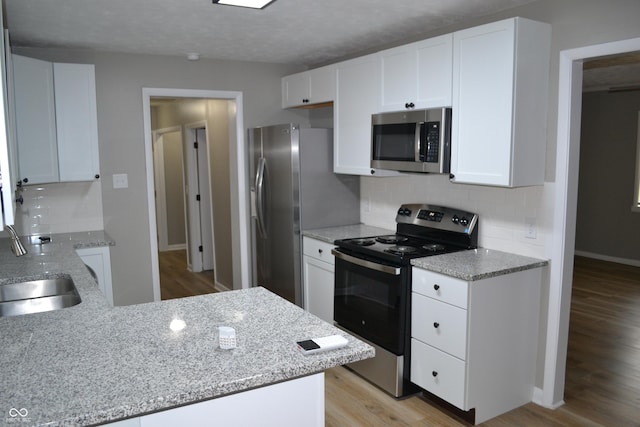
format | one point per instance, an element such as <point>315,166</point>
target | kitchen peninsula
<point>92,364</point>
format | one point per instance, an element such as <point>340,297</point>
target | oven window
<point>371,304</point>
<point>394,142</point>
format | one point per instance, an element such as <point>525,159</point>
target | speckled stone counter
<point>331,234</point>
<point>477,264</point>
<point>91,364</point>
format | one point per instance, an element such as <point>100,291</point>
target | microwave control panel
<point>431,154</point>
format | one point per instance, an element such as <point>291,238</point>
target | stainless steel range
<point>373,285</point>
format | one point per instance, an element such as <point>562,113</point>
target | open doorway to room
<point>560,359</point>
<point>193,143</point>
<point>183,208</point>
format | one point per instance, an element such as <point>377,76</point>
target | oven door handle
<point>367,264</point>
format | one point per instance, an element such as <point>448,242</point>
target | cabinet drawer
<point>438,373</point>
<point>438,286</point>
<point>440,325</point>
<point>318,249</point>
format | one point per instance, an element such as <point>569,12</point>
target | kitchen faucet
<point>16,244</point>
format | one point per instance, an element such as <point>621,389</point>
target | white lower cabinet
<point>474,344</point>
<point>298,402</point>
<point>318,277</point>
<point>99,259</point>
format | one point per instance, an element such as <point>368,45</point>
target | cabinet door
<point>483,104</point>
<point>357,89</point>
<point>76,121</point>
<point>295,89</point>
<point>434,59</point>
<point>322,84</point>
<point>500,80</point>
<point>398,77</point>
<point>35,120</point>
<point>417,75</point>
<point>318,284</point>
<point>99,259</point>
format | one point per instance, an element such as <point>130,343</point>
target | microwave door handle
<point>366,264</point>
<point>418,132</point>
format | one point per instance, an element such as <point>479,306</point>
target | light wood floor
<point>603,367</point>
<point>178,282</point>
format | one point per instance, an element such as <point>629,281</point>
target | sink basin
<point>36,296</point>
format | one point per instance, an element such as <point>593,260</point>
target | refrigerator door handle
<point>261,197</point>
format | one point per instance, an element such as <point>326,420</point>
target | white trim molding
<point>562,244</point>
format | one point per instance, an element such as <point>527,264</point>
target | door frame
<point>239,199</point>
<point>158,175</point>
<point>561,248</point>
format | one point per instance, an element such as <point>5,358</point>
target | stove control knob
<point>464,221</point>
<point>404,211</point>
<point>455,219</point>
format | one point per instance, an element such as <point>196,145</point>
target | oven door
<point>371,300</point>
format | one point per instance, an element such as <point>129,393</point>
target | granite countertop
<point>91,364</point>
<point>477,264</point>
<point>331,234</point>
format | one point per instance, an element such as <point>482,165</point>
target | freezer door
<point>275,220</point>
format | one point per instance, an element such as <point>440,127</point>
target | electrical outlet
<point>120,180</point>
<point>530,228</point>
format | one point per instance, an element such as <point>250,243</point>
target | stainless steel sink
<point>36,296</point>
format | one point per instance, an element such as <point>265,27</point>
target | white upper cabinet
<point>311,87</point>
<point>500,81</point>
<point>7,148</point>
<point>76,122</point>
<point>357,81</point>
<point>35,120</point>
<point>417,75</point>
<point>56,121</point>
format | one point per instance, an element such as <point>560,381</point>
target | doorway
<point>237,265</point>
<point>562,248</point>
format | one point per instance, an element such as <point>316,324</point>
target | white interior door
<point>205,205</point>
<point>200,252</point>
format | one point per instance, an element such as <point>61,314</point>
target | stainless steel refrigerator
<point>293,188</point>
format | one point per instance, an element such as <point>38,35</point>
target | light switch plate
<point>120,180</point>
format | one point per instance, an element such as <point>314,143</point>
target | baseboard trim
<point>538,399</point>
<point>220,287</point>
<point>625,261</point>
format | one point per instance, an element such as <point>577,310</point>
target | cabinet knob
<point>305,100</point>
<point>434,373</point>
<point>373,171</point>
<point>319,251</point>
<point>20,200</point>
<point>97,176</point>
<point>409,105</point>
<point>25,180</point>
<point>436,325</point>
<point>436,287</point>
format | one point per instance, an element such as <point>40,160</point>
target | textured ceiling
<point>305,32</point>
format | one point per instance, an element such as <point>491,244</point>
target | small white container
<point>226,337</point>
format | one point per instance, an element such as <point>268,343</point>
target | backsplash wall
<point>503,212</point>
<point>60,208</point>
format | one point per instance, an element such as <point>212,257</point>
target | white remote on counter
<point>317,345</point>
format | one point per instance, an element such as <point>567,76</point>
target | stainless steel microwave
<point>412,141</point>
